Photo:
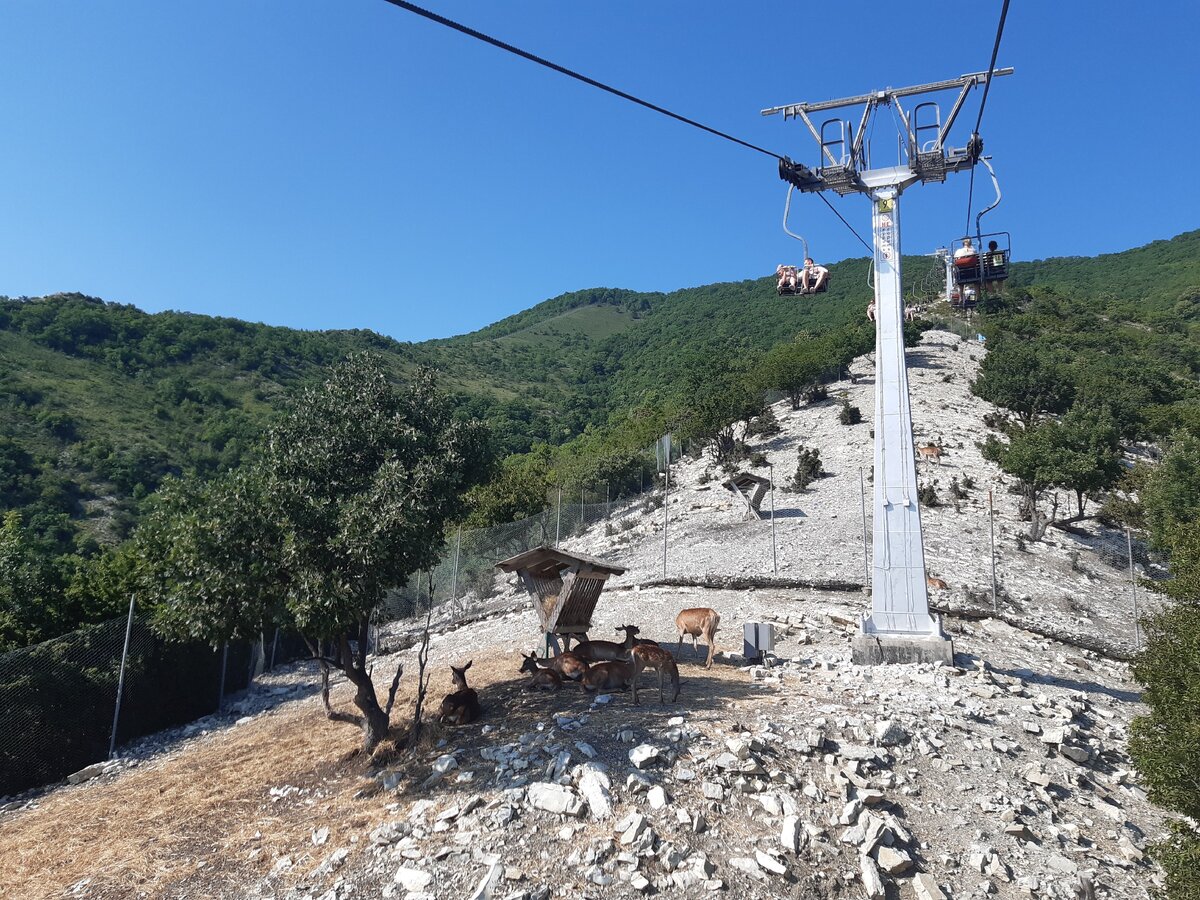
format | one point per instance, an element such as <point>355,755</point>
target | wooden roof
<point>744,480</point>
<point>545,559</point>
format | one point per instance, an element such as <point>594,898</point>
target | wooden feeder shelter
<point>750,489</point>
<point>567,587</point>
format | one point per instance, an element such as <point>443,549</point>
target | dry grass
<point>202,823</point>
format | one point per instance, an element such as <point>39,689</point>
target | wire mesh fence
<point>59,699</point>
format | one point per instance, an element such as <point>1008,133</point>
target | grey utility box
<point>757,638</point>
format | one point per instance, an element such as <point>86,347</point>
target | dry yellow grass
<point>188,825</point>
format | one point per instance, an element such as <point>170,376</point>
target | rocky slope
<point>806,776</point>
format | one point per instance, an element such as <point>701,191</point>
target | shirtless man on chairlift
<point>812,277</point>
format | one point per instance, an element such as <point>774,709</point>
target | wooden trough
<point>567,587</point>
<point>750,489</point>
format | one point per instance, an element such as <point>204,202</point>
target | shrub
<point>808,468</point>
<point>850,415</point>
<point>927,496</point>
<point>758,460</point>
<point>764,425</point>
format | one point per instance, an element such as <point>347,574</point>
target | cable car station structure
<point>899,627</point>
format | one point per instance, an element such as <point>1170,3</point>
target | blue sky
<point>350,165</point>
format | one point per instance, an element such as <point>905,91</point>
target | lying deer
<point>637,641</point>
<point>699,622</point>
<point>462,706</point>
<point>654,657</point>
<point>932,451</point>
<point>607,651</point>
<point>609,676</point>
<point>936,583</point>
<point>567,664</point>
<point>545,679</point>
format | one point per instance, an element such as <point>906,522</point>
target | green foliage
<point>30,595</point>
<point>927,496</point>
<point>793,368</point>
<point>765,424</point>
<point>1179,856</point>
<point>1024,378</point>
<point>519,490</point>
<point>849,415</point>
<point>1171,497</point>
<point>808,467</point>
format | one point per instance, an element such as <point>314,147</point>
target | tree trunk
<point>375,722</point>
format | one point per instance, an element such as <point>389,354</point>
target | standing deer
<point>931,451</point>
<point>546,679</point>
<point>699,622</point>
<point>637,641</point>
<point>462,706</point>
<point>607,651</point>
<point>567,664</point>
<point>654,657</point>
<point>609,676</point>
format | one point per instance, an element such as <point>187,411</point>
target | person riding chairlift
<point>813,277</point>
<point>788,278</point>
<point>966,256</point>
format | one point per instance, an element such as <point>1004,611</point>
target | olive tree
<point>350,497</point>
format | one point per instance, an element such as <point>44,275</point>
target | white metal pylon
<point>899,627</point>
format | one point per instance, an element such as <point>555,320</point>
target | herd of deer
<point>598,666</point>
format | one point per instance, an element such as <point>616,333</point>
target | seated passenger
<point>871,310</point>
<point>813,278</point>
<point>993,268</point>
<point>787,278</point>
<point>966,257</point>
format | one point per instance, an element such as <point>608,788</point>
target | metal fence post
<point>1137,634</point>
<point>112,741</point>
<point>774,553</point>
<point>862,497</point>
<point>666,516</point>
<point>454,577</point>
<point>558,518</point>
<point>992,537</point>
<point>221,688</point>
<point>608,501</point>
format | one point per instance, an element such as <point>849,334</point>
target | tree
<point>1165,743</point>
<point>717,396</point>
<point>1086,453</point>
<point>1025,378</point>
<point>351,498</point>
<point>1172,493</point>
<point>793,368</point>
<point>30,596</point>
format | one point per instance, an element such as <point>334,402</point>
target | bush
<point>758,460</point>
<point>850,415</point>
<point>764,425</point>
<point>817,393</point>
<point>927,496</point>
<point>808,468</point>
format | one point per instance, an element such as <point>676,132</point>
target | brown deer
<point>699,622</point>
<point>936,583</point>
<point>462,706</point>
<point>930,451</point>
<point>607,651</point>
<point>541,679</point>
<point>609,676</point>
<point>654,657</point>
<point>637,641</point>
<point>567,664</point>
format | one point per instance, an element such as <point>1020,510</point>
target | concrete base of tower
<point>875,648</point>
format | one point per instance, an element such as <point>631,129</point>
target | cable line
<point>524,54</point>
<point>987,85</point>
<point>471,32</point>
<point>870,249</point>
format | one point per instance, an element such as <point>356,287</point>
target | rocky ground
<point>807,776</point>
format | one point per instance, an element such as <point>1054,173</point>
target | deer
<point>609,676</point>
<point>545,679</point>
<point>936,583</point>
<point>931,451</point>
<point>607,651</point>
<point>646,656</point>
<point>568,664</point>
<point>637,641</point>
<point>462,706</point>
<point>699,622</point>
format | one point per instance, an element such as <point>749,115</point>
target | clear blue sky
<point>350,165</point>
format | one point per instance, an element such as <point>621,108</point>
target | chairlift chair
<point>780,289</point>
<point>985,266</point>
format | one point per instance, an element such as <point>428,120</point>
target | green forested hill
<point>98,401</point>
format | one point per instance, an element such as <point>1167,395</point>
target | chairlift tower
<point>899,627</point>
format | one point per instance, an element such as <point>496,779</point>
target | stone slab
<point>880,649</point>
